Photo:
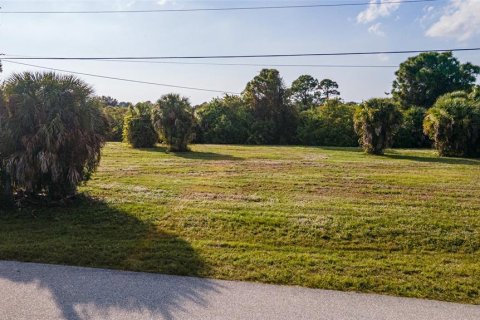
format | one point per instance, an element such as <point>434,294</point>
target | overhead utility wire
<point>120,79</point>
<point>247,56</point>
<point>322,5</point>
<point>256,65</point>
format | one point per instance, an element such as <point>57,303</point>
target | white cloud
<point>376,29</point>
<point>377,9</point>
<point>461,20</point>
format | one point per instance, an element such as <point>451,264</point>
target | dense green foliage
<point>274,118</point>
<point>5,149</point>
<point>173,119</point>
<point>420,80</point>
<point>304,92</point>
<point>54,129</point>
<point>376,122</point>
<point>410,134</point>
<point>115,117</point>
<point>224,120</point>
<point>330,124</point>
<point>454,125</point>
<point>138,129</point>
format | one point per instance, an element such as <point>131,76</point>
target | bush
<point>410,134</point>
<point>138,129</point>
<point>328,125</point>
<point>376,122</point>
<point>173,119</point>
<point>223,120</point>
<point>56,130</point>
<point>454,125</point>
<point>115,117</point>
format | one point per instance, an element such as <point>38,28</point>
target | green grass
<point>407,223</point>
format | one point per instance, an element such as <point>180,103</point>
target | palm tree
<point>56,129</point>
<point>376,122</point>
<point>173,119</point>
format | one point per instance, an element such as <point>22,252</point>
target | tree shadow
<point>95,234</point>
<point>196,155</point>
<point>444,160</point>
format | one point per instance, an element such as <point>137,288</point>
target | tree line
<point>311,112</point>
<point>52,127</point>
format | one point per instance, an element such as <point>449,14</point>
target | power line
<point>323,5</point>
<point>256,65</point>
<point>248,56</point>
<point>120,79</point>
<point>243,64</point>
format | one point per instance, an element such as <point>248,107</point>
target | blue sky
<point>441,24</point>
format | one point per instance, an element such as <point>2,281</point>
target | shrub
<point>328,125</point>
<point>376,122</point>
<point>454,125</point>
<point>56,130</point>
<point>138,129</point>
<point>410,133</point>
<point>115,117</point>
<point>173,119</point>
<point>223,120</point>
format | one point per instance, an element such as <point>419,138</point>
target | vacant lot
<point>407,223</point>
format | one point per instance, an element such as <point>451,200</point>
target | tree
<point>376,122</point>
<point>475,94</point>
<point>304,92</point>
<point>173,119</point>
<point>410,133</point>
<point>109,101</point>
<point>274,119</point>
<point>138,129</point>
<point>115,117</point>
<point>6,147</point>
<point>328,89</point>
<point>330,124</point>
<point>420,80</point>
<point>56,131</point>
<point>453,123</point>
<point>224,120</point>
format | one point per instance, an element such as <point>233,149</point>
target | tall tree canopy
<point>420,80</point>
<point>304,92</point>
<point>56,130</point>
<point>274,118</point>
<point>108,101</point>
<point>328,89</point>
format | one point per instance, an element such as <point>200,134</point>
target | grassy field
<point>407,223</point>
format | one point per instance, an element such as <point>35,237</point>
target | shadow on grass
<point>196,155</point>
<point>94,234</point>
<point>445,160</point>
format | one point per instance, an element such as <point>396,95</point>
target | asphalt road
<point>38,291</point>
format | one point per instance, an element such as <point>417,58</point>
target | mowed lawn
<point>407,223</point>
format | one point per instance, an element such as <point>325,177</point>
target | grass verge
<point>407,223</point>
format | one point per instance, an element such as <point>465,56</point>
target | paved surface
<point>37,291</point>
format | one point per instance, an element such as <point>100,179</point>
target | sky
<point>377,26</point>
